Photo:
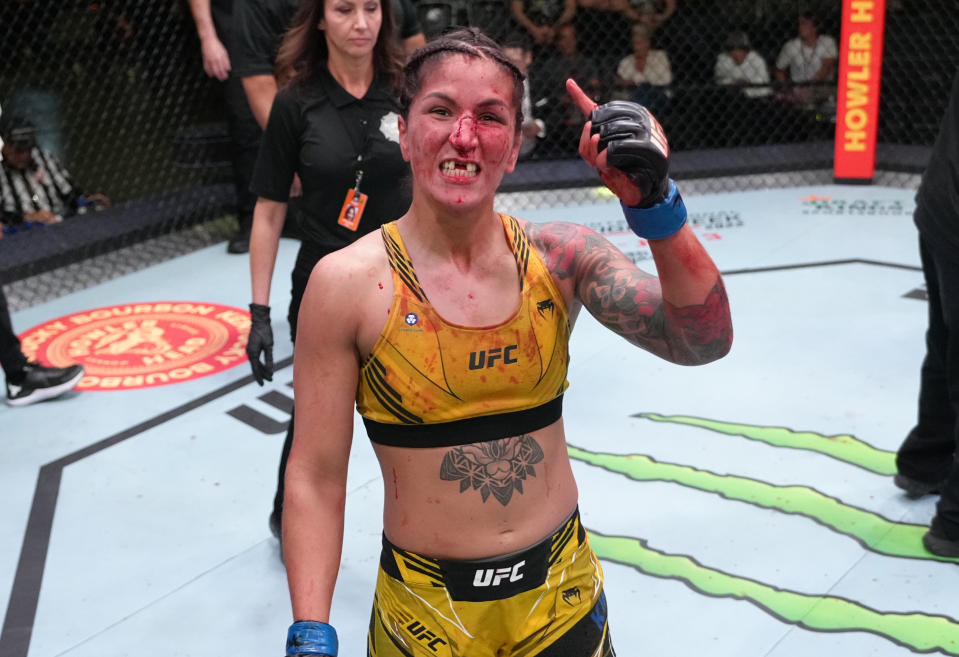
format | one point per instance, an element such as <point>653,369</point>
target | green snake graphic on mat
<point>917,631</point>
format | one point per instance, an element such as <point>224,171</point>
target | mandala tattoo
<point>496,467</point>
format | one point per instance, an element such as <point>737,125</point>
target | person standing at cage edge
<point>217,31</point>
<point>334,124</point>
<point>926,461</point>
<point>450,335</point>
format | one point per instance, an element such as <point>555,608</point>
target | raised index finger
<point>585,103</point>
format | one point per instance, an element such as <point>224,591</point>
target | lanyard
<point>364,147</point>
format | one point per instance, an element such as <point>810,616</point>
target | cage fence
<point>116,91</point>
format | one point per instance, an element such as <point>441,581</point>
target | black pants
<point>929,451</point>
<point>11,356</point>
<point>306,259</point>
<point>245,132</point>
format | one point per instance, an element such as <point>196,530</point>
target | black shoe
<point>915,488</point>
<point>239,243</point>
<point>41,383</point>
<point>940,545</point>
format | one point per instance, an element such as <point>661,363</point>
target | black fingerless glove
<point>260,343</point>
<point>636,145</point>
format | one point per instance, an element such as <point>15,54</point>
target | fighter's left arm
<point>681,315</point>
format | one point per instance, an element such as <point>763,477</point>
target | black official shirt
<point>259,27</point>
<point>316,129</point>
<point>937,201</point>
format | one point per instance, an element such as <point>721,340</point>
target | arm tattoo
<point>559,244</point>
<point>704,332</point>
<point>629,301</point>
<point>496,467</point>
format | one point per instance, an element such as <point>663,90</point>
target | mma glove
<point>260,343</point>
<point>636,145</point>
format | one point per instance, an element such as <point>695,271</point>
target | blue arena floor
<point>744,508</point>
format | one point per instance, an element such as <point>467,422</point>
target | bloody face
<point>460,135</point>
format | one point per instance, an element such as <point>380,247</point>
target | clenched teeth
<point>451,168</point>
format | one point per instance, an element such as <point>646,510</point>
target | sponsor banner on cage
<point>142,345</point>
<point>857,100</point>
<point>815,204</point>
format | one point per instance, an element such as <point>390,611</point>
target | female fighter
<point>449,328</point>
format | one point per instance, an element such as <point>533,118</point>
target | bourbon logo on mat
<point>142,345</point>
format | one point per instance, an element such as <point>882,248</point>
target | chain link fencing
<point>116,90</point>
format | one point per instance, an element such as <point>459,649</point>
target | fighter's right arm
<point>325,374</point>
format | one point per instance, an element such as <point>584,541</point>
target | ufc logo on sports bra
<point>483,358</point>
<point>493,576</point>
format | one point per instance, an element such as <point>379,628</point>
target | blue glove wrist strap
<point>659,221</point>
<point>311,638</point>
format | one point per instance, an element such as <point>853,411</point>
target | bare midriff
<point>428,514</point>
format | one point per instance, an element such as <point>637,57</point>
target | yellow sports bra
<point>430,383</point>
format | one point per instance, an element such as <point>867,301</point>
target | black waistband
<point>484,580</point>
<point>468,430</point>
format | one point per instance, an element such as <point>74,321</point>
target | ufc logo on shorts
<point>493,576</point>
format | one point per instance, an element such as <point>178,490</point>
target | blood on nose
<point>465,131</point>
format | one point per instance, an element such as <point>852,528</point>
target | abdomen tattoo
<point>496,467</point>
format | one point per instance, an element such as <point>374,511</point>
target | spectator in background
<point>604,28</point>
<point>739,64</point>
<point>644,75</point>
<point>652,13</point>
<point>542,18</point>
<point>35,188</point>
<point>564,121</point>
<point>806,62</point>
<point>217,32</point>
<point>519,50</point>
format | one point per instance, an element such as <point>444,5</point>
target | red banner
<point>857,100</point>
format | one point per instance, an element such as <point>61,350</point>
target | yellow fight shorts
<point>546,600</point>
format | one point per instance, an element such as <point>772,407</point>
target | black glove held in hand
<point>260,342</point>
<point>637,147</point>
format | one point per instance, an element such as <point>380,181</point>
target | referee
<point>35,188</point>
